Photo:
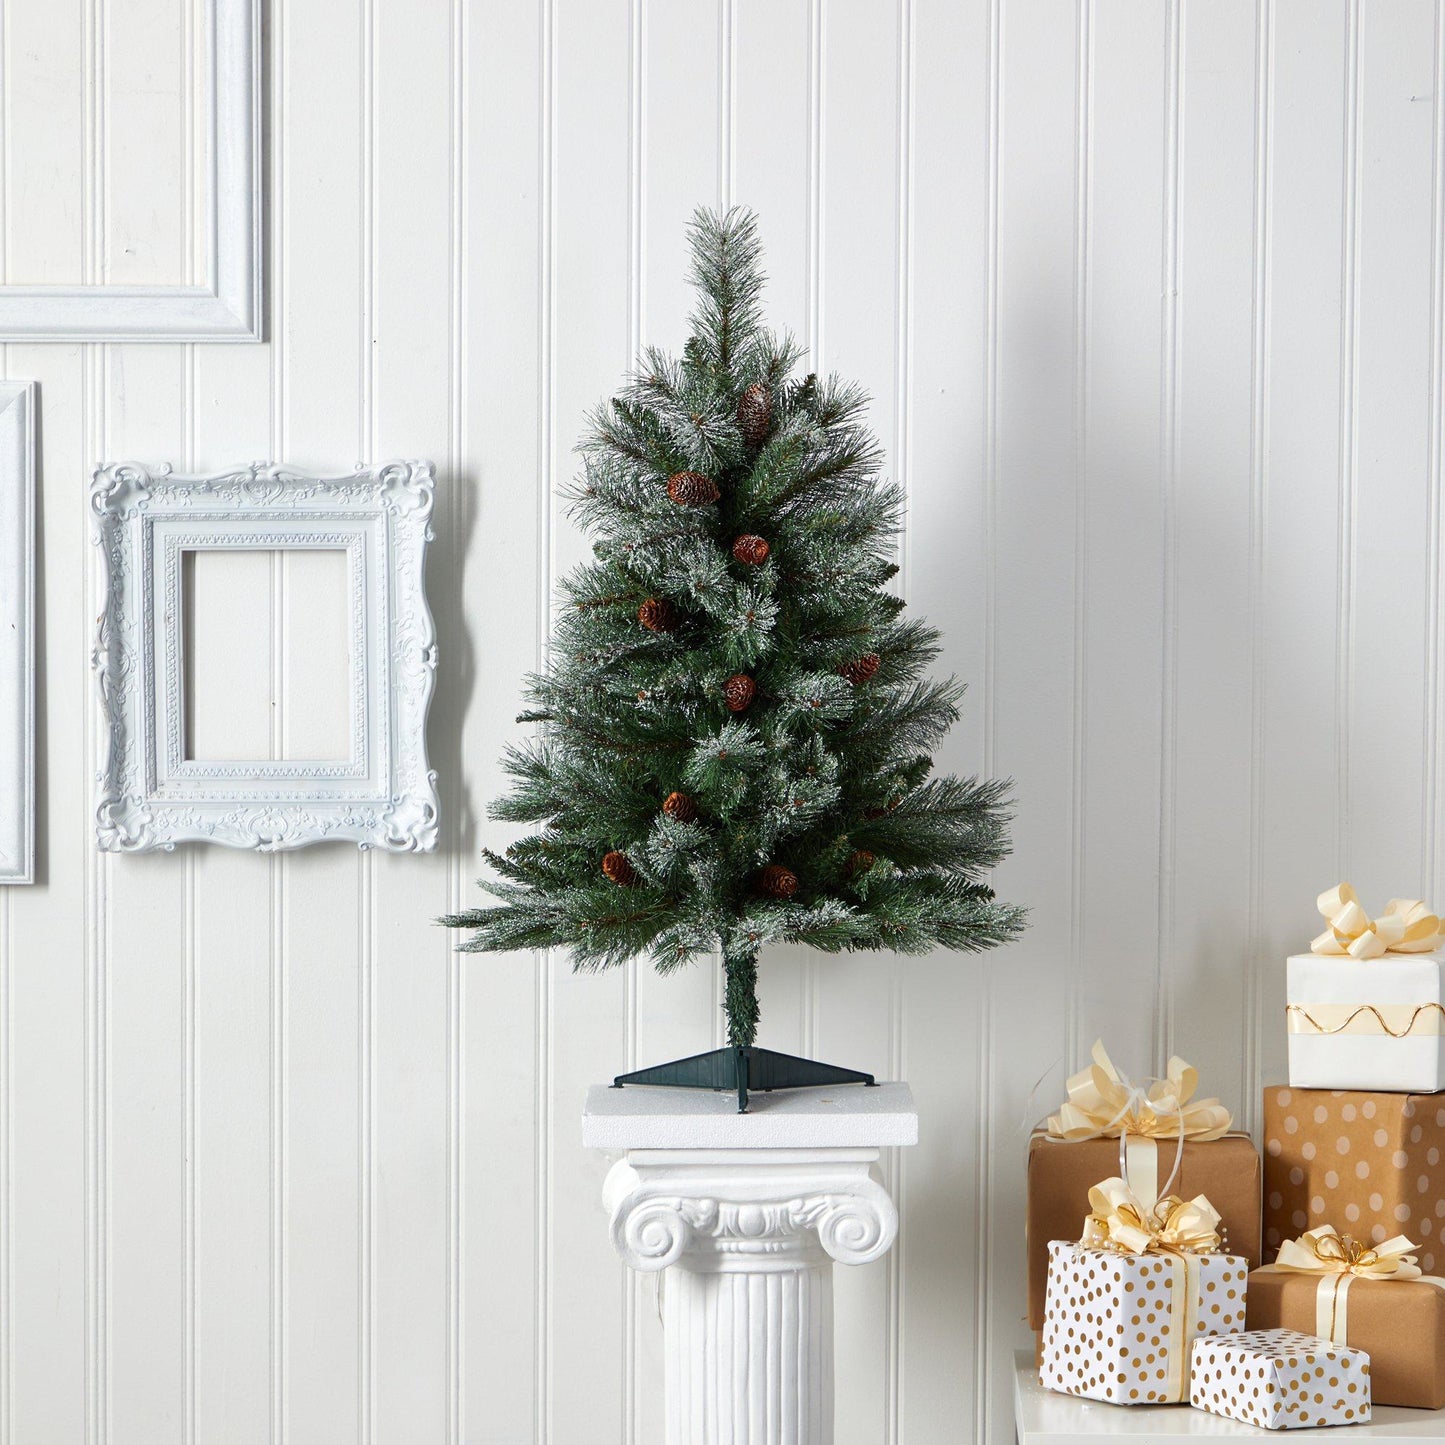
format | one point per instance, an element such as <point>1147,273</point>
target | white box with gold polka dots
<point>1118,1327</point>
<point>1280,1380</point>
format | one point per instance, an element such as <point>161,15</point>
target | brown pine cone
<point>861,668</point>
<point>680,807</point>
<point>657,615</point>
<point>616,866</point>
<point>755,414</point>
<point>777,882</point>
<point>751,550</point>
<point>692,489</point>
<point>860,861</point>
<point>740,690</point>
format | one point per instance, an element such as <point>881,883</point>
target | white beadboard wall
<point>1149,295</point>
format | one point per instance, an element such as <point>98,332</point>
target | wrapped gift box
<point>1374,1023</point>
<point>1060,1175</point>
<point>1399,1324</point>
<point>1280,1380</point>
<point>1118,1326</point>
<point>1370,1164</point>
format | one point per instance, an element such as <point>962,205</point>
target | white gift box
<point>1370,1024</point>
<point>1119,1327</point>
<point>1280,1380</point>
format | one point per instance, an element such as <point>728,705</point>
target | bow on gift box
<point>1339,1260</point>
<point>1406,926</point>
<point>1177,1230</point>
<point>1120,1220</point>
<point>1325,1251</point>
<point>1103,1103</point>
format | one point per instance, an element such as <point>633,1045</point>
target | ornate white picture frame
<point>228,305</point>
<point>151,795</point>
<point>17,631</point>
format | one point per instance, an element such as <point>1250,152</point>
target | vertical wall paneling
<point>1148,294</point>
<point>587,1023</point>
<point>1300,840</point>
<point>321,1372</point>
<point>1210,537</point>
<point>945,414</point>
<point>411,402</point>
<point>506,350</point>
<point>1033,474</point>
<point>1390,465</point>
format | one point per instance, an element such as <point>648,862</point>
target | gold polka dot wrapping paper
<point>1370,1164</point>
<point>1118,1327</point>
<point>1280,1380</point>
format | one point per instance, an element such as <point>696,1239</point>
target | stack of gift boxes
<point>1169,1263</point>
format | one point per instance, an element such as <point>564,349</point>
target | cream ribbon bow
<point>1326,1251</point>
<point>1118,1220</point>
<point>1339,1261</point>
<point>1104,1104</point>
<point>1406,926</point>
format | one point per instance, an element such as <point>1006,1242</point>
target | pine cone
<point>860,861</point>
<point>692,489</point>
<point>617,867</point>
<point>777,882</point>
<point>861,668</point>
<point>751,550</point>
<point>740,690</point>
<point>657,615</point>
<point>680,807</point>
<point>755,414</point>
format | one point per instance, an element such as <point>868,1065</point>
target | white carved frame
<point>228,306</point>
<point>382,795</point>
<point>17,631</point>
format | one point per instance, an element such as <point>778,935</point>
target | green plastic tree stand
<point>743,1069</point>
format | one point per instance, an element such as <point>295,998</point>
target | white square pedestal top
<point>842,1116</point>
<point>1044,1417</point>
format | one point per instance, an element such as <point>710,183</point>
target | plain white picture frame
<point>228,307</point>
<point>151,795</point>
<point>17,632</point>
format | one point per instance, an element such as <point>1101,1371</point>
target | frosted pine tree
<point>737,721</point>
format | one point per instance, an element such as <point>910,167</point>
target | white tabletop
<point>842,1116</point>
<point>1046,1418</point>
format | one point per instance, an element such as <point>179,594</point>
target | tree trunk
<point>740,967</point>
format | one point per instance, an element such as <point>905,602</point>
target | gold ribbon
<point>1178,1230</point>
<point>1406,926</point>
<point>1398,1020</point>
<point>1339,1260</point>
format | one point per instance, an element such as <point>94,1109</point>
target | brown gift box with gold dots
<point>1280,1380</point>
<point>1118,1327</point>
<point>1060,1175</point>
<point>1372,1165</point>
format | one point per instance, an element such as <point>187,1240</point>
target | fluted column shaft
<point>749,1239</point>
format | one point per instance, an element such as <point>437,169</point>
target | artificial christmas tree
<point>736,714</point>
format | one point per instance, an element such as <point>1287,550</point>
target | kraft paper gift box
<point>1280,1380</point>
<point>1365,1008</point>
<point>1119,1323</point>
<point>1370,1164</point>
<point>1375,1300</point>
<point>1066,1158</point>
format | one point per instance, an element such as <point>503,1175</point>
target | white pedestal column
<point>747,1214</point>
